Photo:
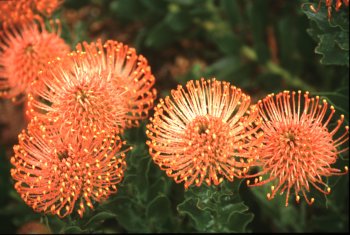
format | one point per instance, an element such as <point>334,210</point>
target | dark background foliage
<point>262,46</point>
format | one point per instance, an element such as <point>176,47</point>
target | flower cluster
<point>209,132</point>
<point>79,102</point>
<point>71,156</point>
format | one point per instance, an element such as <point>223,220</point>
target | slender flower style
<point>298,148</point>
<point>204,133</point>
<point>17,11</point>
<point>24,51</point>
<point>329,4</point>
<point>58,177</point>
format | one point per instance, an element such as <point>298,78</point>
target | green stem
<point>272,67</point>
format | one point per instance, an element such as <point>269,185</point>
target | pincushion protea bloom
<point>131,73</point>
<point>74,94</point>
<point>97,87</point>
<point>298,149</point>
<point>24,51</point>
<point>17,11</point>
<point>53,176</point>
<point>204,133</point>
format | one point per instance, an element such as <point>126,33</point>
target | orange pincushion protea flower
<point>17,11</point>
<point>24,51</point>
<point>298,149</point>
<point>130,73</point>
<point>205,133</point>
<point>74,94</point>
<point>94,89</point>
<point>54,175</point>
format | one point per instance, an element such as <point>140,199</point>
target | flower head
<point>298,149</point>
<point>53,175</point>
<point>204,133</point>
<point>19,11</point>
<point>74,94</point>
<point>24,51</point>
<point>97,87</point>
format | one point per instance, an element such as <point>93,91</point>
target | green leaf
<point>202,219</point>
<point>285,218</point>
<point>100,217</point>
<point>238,222</point>
<point>160,36</point>
<point>257,11</point>
<point>331,50</point>
<point>130,218</point>
<point>178,21</point>
<point>232,11</point>
<point>159,209</point>
<point>227,42</point>
<point>72,230</point>
<point>159,186</point>
<point>332,36</point>
<point>216,208</point>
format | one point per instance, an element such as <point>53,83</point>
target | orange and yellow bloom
<point>97,87</point>
<point>55,176</point>
<point>206,132</point>
<point>298,148</point>
<point>19,11</point>
<point>133,75</point>
<point>24,51</point>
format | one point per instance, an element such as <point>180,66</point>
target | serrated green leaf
<point>202,219</point>
<point>332,36</point>
<point>238,221</point>
<point>214,205</point>
<point>342,40</point>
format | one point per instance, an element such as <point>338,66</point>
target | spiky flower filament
<point>298,148</point>
<point>58,177</point>
<point>24,51</point>
<point>24,11</point>
<point>205,132</point>
<point>74,94</point>
<point>130,73</point>
<point>329,5</point>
